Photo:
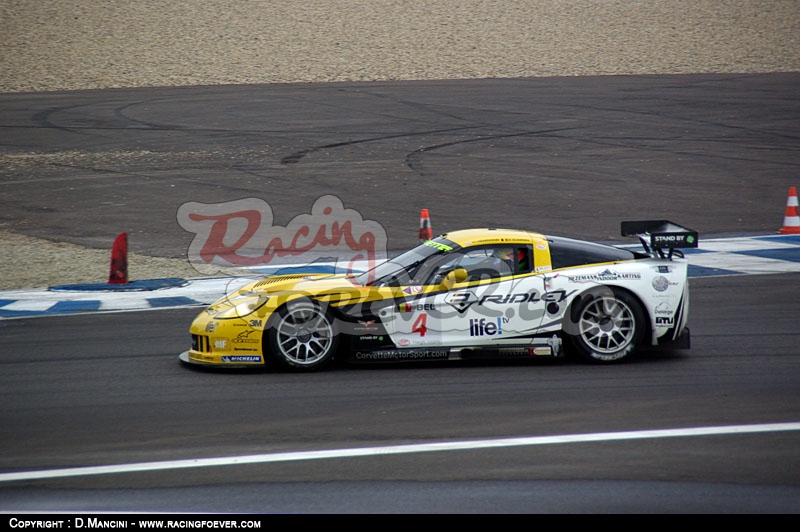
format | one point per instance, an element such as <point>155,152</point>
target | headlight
<point>243,309</point>
<point>243,305</point>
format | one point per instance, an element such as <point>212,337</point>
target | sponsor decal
<point>211,325</point>
<point>412,354</point>
<point>673,239</point>
<point>514,351</point>
<point>245,337</point>
<point>661,320</point>
<point>482,327</point>
<point>461,301</point>
<point>526,297</point>
<point>366,326</point>
<point>220,343</point>
<point>416,289</point>
<point>437,245</point>
<point>526,351</point>
<point>660,283</point>
<point>605,275</point>
<point>664,309</point>
<point>371,337</point>
<point>241,358</point>
<point>413,307</point>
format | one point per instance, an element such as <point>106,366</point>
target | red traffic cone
<point>791,221</point>
<point>119,260</point>
<point>425,231</point>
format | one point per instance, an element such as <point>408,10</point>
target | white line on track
<point>398,449</point>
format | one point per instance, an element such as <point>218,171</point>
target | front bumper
<point>196,358</point>
<point>683,340</point>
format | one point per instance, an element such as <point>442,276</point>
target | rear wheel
<point>607,325</point>
<point>303,336</point>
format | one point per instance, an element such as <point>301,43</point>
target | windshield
<point>402,270</point>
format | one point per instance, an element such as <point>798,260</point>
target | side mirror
<point>459,275</point>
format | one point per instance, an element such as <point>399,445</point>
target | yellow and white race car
<point>476,293</point>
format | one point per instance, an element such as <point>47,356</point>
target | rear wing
<point>658,235</point>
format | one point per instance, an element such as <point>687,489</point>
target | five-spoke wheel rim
<point>607,325</point>
<point>304,336</point>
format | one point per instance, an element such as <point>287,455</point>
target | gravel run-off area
<point>56,45</point>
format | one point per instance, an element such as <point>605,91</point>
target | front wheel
<point>303,336</point>
<point>606,325</point>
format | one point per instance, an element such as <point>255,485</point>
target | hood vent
<point>278,279</point>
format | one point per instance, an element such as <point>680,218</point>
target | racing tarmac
<point>567,156</point>
<point>563,156</point>
<point>570,156</point>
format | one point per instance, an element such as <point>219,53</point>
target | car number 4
<point>420,324</point>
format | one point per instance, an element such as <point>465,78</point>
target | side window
<point>488,263</point>
<point>524,259</point>
<point>482,263</point>
<point>433,270</point>
<point>498,261</point>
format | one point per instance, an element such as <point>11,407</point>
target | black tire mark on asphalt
<point>295,157</point>
<point>414,159</point>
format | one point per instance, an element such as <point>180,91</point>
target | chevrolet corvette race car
<point>476,293</point>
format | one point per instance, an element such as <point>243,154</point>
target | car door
<point>500,302</point>
<point>415,320</point>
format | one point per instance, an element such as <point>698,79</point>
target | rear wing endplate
<point>658,235</point>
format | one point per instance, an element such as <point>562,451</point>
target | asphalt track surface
<point>569,156</point>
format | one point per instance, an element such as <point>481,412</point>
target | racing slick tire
<point>303,336</point>
<point>606,325</point>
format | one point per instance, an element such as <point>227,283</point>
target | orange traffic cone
<point>791,221</point>
<point>119,260</point>
<point>425,231</point>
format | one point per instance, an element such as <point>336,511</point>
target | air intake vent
<point>280,279</point>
